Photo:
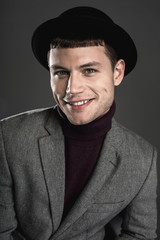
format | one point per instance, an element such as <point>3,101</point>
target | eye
<point>90,70</point>
<point>61,73</point>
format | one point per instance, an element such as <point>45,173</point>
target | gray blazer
<point>32,180</point>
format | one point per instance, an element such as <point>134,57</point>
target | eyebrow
<point>89,64</point>
<point>55,67</point>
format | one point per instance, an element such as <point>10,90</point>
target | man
<point>67,171</point>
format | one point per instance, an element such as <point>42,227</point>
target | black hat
<point>83,23</point>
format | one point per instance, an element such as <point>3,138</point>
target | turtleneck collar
<point>89,131</point>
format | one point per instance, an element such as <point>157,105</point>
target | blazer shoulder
<point>130,138</point>
<point>26,122</point>
<point>131,144</point>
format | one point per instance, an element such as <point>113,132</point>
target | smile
<point>79,103</point>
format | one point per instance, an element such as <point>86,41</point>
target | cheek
<point>104,87</point>
<point>55,92</point>
<point>58,88</point>
<point>53,84</point>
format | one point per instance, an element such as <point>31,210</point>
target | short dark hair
<point>73,43</point>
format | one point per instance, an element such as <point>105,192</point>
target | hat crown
<point>82,23</point>
<point>85,12</point>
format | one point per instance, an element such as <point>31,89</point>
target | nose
<point>75,84</point>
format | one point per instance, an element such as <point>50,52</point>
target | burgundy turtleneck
<point>82,148</point>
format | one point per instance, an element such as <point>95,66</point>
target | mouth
<point>79,105</point>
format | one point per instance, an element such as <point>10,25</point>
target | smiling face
<point>82,82</point>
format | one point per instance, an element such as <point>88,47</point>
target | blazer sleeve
<point>140,217</point>
<point>8,222</point>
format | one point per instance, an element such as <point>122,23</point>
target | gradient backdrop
<point>24,84</point>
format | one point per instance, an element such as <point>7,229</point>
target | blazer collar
<point>52,157</point>
<point>53,162</point>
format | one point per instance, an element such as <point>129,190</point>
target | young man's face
<point>82,82</point>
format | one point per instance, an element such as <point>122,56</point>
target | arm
<point>140,217</point>
<point>8,222</point>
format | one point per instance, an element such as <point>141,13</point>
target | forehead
<point>77,55</point>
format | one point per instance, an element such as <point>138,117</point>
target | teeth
<point>79,103</point>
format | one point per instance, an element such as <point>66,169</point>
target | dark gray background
<point>25,84</point>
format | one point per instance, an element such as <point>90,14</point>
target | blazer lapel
<point>106,168</point>
<point>53,163</point>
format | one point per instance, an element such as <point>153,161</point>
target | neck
<point>92,130</point>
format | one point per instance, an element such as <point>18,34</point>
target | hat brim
<point>82,28</point>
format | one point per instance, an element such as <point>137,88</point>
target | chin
<point>79,121</point>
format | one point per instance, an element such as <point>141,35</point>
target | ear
<point>119,72</point>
